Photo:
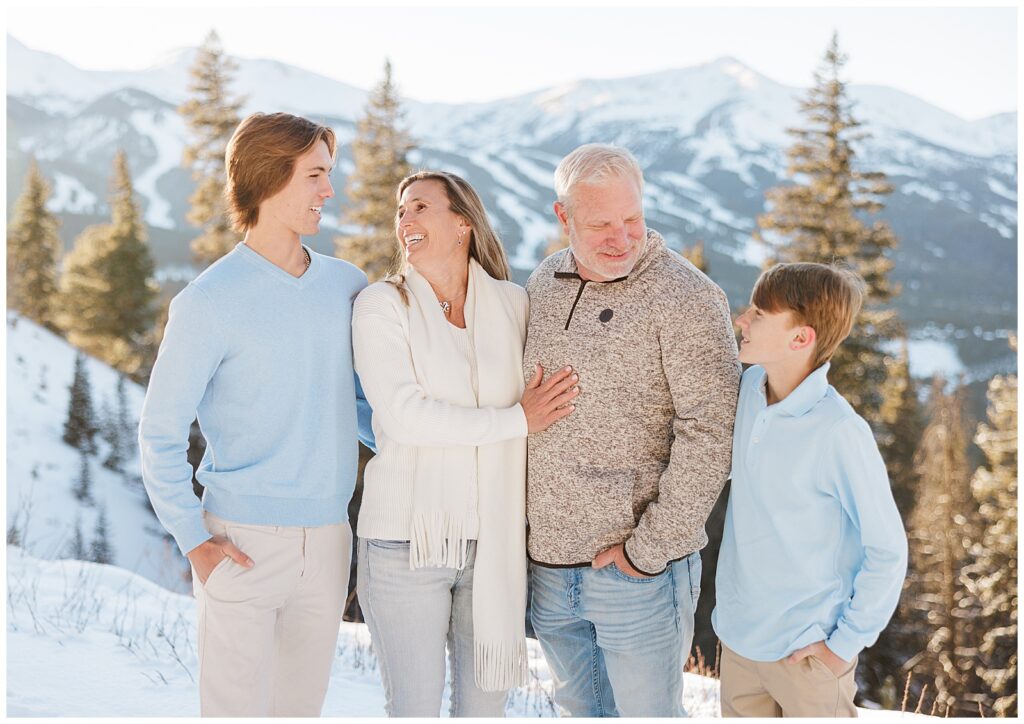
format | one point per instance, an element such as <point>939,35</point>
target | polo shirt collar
<point>807,394</point>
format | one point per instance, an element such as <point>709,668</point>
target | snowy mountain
<point>690,101</point>
<point>47,81</point>
<point>91,640</point>
<point>712,139</point>
<point>42,469</point>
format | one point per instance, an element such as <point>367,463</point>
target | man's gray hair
<point>592,163</point>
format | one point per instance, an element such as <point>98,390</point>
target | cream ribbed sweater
<point>405,417</point>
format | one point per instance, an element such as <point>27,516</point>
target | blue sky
<point>963,60</point>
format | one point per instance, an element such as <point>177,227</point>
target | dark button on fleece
<point>606,315</point>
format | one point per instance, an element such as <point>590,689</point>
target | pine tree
<point>80,426</point>
<point>76,546</point>
<point>992,577</point>
<point>122,416</point>
<point>901,427</point>
<point>100,550</point>
<point>107,290</point>
<point>33,249</point>
<point>118,430</point>
<point>380,151</point>
<point>212,114</point>
<point>822,218</point>
<point>107,430</point>
<point>696,256</point>
<point>936,604</point>
<point>83,486</point>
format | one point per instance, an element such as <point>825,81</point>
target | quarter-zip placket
<point>579,293</point>
<point>583,284</point>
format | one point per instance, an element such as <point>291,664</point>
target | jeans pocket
<point>619,573</point>
<point>820,665</point>
<point>390,545</point>
<point>695,567</point>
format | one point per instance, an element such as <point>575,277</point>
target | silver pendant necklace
<point>446,307</point>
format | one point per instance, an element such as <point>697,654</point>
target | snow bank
<point>90,640</point>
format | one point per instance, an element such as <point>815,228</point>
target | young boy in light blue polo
<point>814,553</point>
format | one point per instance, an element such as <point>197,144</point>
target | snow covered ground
<point>85,639</point>
<point>90,640</point>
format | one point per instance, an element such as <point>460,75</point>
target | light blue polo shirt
<point>814,548</point>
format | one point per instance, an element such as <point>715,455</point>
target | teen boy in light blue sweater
<point>259,345</point>
<point>814,552</point>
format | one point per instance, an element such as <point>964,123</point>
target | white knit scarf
<point>442,508</point>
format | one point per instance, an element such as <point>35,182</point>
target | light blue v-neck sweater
<point>265,360</point>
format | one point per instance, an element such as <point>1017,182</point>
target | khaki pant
<point>267,634</point>
<point>779,688</point>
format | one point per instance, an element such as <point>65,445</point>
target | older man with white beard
<point>619,492</point>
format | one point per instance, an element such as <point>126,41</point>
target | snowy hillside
<point>42,469</point>
<point>91,640</point>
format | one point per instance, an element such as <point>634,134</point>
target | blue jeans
<point>616,645</point>
<point>412,615</point>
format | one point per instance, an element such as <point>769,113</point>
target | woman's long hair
<point>484,244</point>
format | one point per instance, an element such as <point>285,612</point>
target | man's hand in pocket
<point>207,555</point>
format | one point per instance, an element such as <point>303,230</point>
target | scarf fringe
<point>438,540</point>
<point>500,665</point>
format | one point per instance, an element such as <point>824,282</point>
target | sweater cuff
<point>632,561</point>
<point>513,420</point>
<point>843,644</point>
<point>190,539</point>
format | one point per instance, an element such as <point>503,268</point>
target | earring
<point>460,236</point>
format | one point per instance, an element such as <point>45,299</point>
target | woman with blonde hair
<point>438,348</point>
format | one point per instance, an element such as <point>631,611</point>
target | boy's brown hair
<point>260,159</point>
<point>822,296</point>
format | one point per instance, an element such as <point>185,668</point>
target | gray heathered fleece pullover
<point>646,452</point>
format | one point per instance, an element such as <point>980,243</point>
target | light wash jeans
<point>411,615</point>
<point>616,645</point>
